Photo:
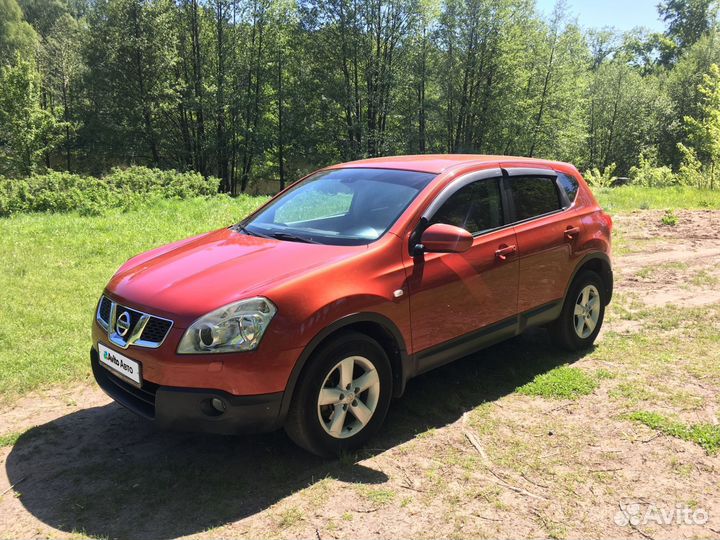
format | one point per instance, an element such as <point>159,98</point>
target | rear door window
<point>533,196</point>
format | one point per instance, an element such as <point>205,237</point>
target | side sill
<point>541,315</point>
<point>465,345</point>
<point>485,337</point>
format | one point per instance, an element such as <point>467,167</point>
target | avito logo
<point>118,362</point>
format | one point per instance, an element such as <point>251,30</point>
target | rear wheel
<point>342,397</point>
<point>582,314</point>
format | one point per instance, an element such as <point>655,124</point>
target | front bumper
<point>190,409</point>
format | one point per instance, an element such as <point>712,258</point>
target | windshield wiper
<point>279,235</point>
<point>245,230</point>
<point>292,237</point>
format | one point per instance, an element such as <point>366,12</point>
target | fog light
<point>218,405</point>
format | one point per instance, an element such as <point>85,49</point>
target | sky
<point>622,14</point>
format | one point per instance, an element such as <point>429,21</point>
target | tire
<point>577,332</point>
<point>342,424</point>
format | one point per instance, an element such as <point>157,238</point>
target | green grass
<point>289,517</point>
<point>562,382</point>
<point>705,435</point>
<point>669,219</point>
<point>649,271</point>
<point>9,439</point>
<point>377,496</point>
<point>628,198</point>
<point>632,392</point>
<point>704,279</point>
<point>54,267</point>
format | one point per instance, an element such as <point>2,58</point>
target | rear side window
<point>569,185</point>
<point>533,196</point>
<point>475,207</point>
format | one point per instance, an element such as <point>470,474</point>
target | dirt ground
<point>463,454</point>
<point>655,260</point>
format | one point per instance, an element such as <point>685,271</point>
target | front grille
<point>155,330</point>
<point>134,315</point>
<point>104,310</point>
<point>144,330</point>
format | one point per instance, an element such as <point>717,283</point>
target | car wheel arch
<point>374,325</point>
<point>599,263</point>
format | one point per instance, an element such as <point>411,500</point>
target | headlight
<point>235,327</point>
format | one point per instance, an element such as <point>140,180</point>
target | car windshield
<point>340,206</point>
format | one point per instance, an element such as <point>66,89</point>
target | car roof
<point>438,163</point>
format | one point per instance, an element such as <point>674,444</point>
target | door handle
<point>504,251</point>
<point>571,232</point>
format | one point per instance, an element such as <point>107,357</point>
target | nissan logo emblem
<point>122,325</point>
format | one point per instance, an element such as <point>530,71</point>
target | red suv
<point>313,312</point>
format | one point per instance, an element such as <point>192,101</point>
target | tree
<point>190,81</point>
<point>687,21</point>
<point>131,84</point>
<point>63,66</point>
<point>43,14</point>
<point>221,15</point>
<point>603,44</point>
<point>625,113</point>
<point>260,91</point>
<point>681,85</point>
<point>250,93</point>
<point>27,131</point>
<point>704,131</point>
<point>16,35</point>
<point>284,26</point>
<point>559,87</point>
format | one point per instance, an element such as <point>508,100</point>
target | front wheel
<point>582,314</point>
<point>342,397</point>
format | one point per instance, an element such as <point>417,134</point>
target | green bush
<point>691,171</point>
<point>648,174</point>
<point>600,179</point>
<point>122,188</point>
<point>669,219</point>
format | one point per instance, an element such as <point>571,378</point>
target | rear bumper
<point>191,409</point>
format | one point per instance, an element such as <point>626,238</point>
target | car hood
<point>187,279</point>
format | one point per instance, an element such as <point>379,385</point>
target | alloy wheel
<point>348,397</point>
<point>587,311</point>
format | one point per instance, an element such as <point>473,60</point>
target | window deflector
<point>445,194</point>
<point>457,185</point>
<point>529,171</point>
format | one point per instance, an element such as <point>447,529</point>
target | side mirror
<point>444,238</point>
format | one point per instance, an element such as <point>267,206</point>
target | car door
<point>456,296</point>
<point>546,236</point>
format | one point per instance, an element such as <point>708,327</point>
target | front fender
<point>402,368</point>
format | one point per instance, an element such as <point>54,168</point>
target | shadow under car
<point>108,473</point>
